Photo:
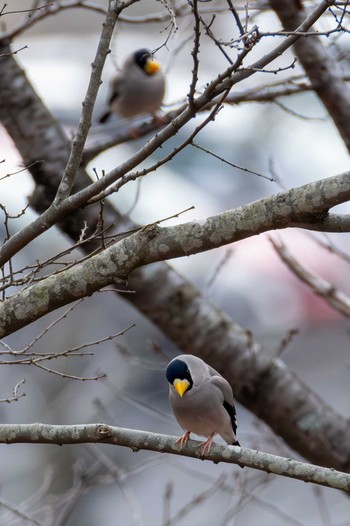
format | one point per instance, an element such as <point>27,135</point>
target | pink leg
<point>183,439</point>
<point>134,133</point>
<point>158,120</point>
<point>206,445</point>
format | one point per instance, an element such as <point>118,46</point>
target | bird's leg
<point>159,120</point>
<point>134,133</point>
<point>206,445</point>
<point>183,439</point>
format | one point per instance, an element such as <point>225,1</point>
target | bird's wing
<point>116,84</point>
<point>227,394</point>
<point>224,387</point>
<point>232,412</point>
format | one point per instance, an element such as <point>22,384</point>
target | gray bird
<point>202,401</point>
<point>138,89</point>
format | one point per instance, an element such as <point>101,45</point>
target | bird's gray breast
<point>201,412</point>
<point>140,94</point>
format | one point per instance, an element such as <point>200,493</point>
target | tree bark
<point>143,440</point>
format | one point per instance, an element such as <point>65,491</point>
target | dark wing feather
<point>116,87</point>
<point>228,404</point>
<point>232,412</point>
<point>113,97</point>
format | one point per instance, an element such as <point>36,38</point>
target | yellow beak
<point>152,66</point>
<point>181,386</point>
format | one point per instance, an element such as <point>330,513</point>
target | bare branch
<point>305,207</point>
<point>246,170</point>
<point>139,440</point>
<point>335,298</point>
<point>66,375</point>
<point>19,514</point>
<point>288,338</point>
<point>194,52</point>
<point>218,484</point>
<point>79,140</point>
<point>15,396</point>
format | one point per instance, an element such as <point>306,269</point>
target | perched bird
<point>137,89</point>
<point>202,401</point>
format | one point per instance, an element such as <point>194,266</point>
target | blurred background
<point>90,485</point>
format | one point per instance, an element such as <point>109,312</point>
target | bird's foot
<point>134,133</point>
<point>205,446</point>
<point>159,120</point>
<point>183,439</point>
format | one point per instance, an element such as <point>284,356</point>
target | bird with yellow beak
<point>138,88</point>
<point>202,401</point>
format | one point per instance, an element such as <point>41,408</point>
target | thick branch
<point>303,207</point>
<point>139,440</point>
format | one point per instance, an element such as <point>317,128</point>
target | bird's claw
<point>183,439</point>
<point>205,446</point>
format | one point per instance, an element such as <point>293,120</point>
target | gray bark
<point>143,440</point>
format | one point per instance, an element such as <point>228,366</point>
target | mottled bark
<point>296,207</point>
<point>143,440</point>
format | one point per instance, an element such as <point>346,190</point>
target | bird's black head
<point>142,56</point>
<point>177,369</point>
<point>144,59</point>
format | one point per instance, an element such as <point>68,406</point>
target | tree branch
<point>305,206</point>
<point>143,440</point>
<point>335,298</point>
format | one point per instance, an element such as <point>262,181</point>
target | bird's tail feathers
<point>237,444</point>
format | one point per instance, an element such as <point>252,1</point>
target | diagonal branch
<point>306,207</point>
<point>335,298</point>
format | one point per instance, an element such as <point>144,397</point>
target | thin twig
<point>246,170</point>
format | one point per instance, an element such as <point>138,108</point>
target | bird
<point>138,88</point>
<point>202,401</point>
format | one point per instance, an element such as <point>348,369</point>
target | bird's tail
<point>237,444</point>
